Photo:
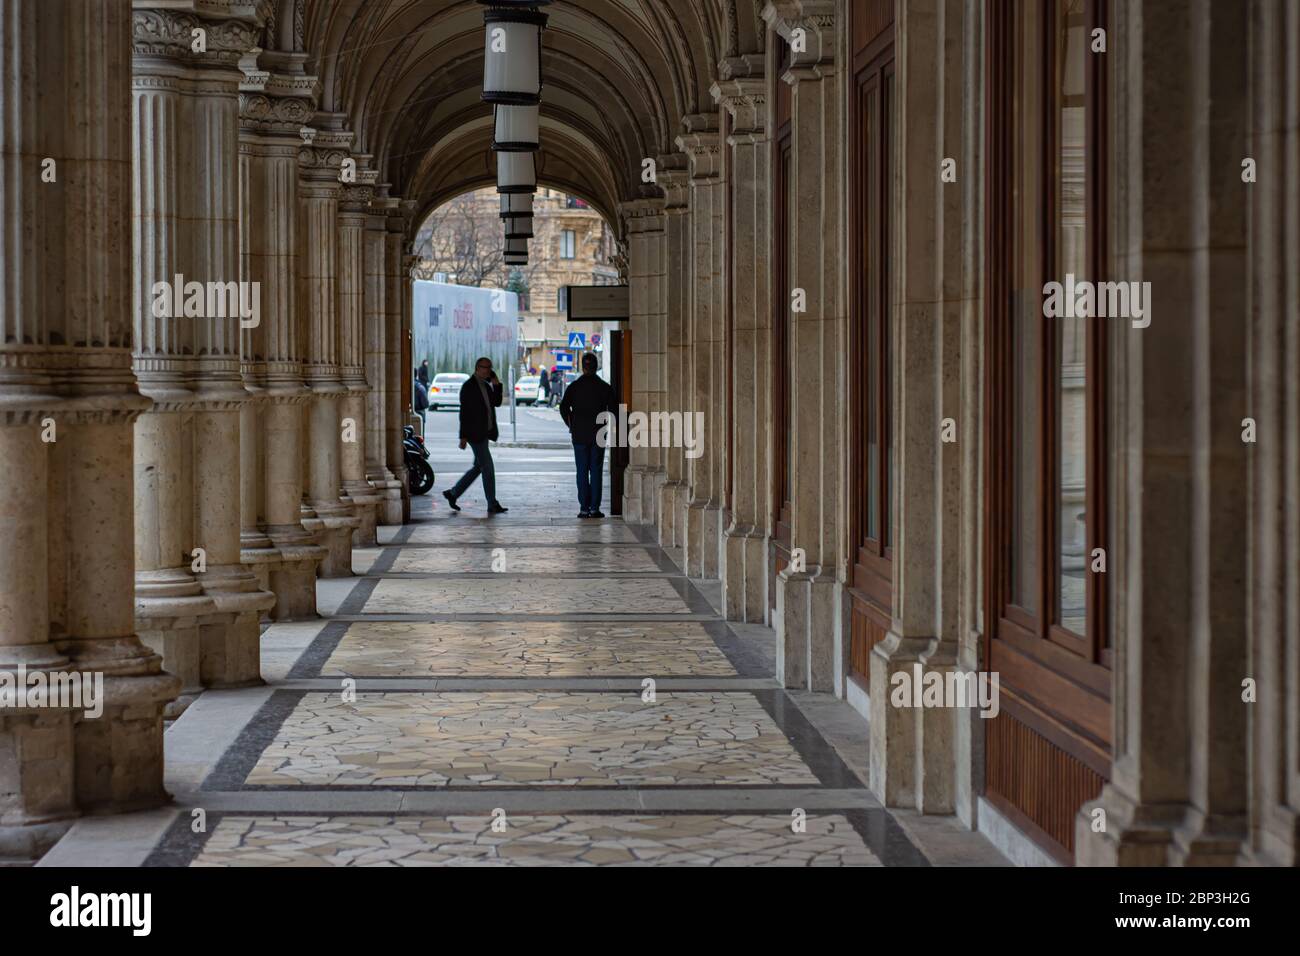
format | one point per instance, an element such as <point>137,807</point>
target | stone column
<point>68,400</point>
<point>1275,407</point>
<point>809,636</point>
<point>645,230</point>
<point>376,360</point>
<point>354,205</point>
<point>395,374</point>
<point>677,268</point>
<point>328,514</point>
<point>704,509</point>
<point>913,756</point>
<point>230,643</point>
<point>276,100</point>
<point>742,91</point>
<point>1178,789</point>
<point>195,601</point>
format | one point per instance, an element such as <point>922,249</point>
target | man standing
<point>480,397</point>
<point>583,401</point>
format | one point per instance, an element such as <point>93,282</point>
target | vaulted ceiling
<point>619,77</point>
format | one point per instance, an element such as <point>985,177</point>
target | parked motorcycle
<point>420,474</point>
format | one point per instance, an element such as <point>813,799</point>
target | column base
<point>667,512</point>
<point>744,575</point>
<point>704,523</point>
<point>365,503</point>
<point>37,806</point>
<point>390,510</point>
<point>807,630</point>
<point>334,533</point>
<point>633,483</point>
<point>1125,833</point>
<point>258,554</point>
<point>119,755</point>
<point>230,642</point>
<point>169,607</point>
<point>293,579</point>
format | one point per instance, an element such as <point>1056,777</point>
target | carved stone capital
<point>746,100</point>
<point>808,26</point>
<point>191,39</point>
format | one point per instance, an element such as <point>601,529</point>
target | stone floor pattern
<point>528,690</point>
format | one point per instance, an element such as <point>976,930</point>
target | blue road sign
<point>577,340</point>
<point>563,360</point>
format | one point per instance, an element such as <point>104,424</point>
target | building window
<point>562,299</point>
<point>874,126</point>
<point>1046,392</point>
<point>568,242</point>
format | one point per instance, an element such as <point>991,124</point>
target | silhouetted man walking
<point>583,401</point>
<point>480,397</point>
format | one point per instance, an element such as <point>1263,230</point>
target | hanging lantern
<point>519,227</point>
<point>516,246</point>
<point>515,128</point>
<point>512,60</point>
<point>516,173</point>
<point>516,204</point>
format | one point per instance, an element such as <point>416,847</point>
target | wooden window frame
<point>870,249</point>
<point>1055,684</point>
<point>782,152</point>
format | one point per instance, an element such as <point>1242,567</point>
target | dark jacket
<point>475,425</point>
<point>419,396</point>
<point>583,401</point>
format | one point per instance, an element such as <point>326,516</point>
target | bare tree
<point>461,240</point>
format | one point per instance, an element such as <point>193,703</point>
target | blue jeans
<point>482,466</point>
<point>591,464</point>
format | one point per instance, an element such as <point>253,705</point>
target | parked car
<point>444,390</point>
<point>526,390</point>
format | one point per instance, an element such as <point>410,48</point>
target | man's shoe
<point>596,514</point>
<point>451,500</point>
<point>497,509</point>
<point>584,514</point>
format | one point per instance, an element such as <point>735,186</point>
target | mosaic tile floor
<point>508,594</point>
<point>527,649</point>
<point>582,840</point>
<point>511,559</point>
<point>389,742</point>
<point>467,739</point>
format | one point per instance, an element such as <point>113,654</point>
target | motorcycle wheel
<point>420,474</point>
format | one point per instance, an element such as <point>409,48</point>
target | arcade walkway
<point>518,692</point>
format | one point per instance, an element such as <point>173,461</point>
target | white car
<point>526,390</point>
<point>444,390</point>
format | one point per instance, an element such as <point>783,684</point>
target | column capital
<point>272,101</point>
<point>818,23</point>
<point>746,100</point>
<point>702,145</point>
<point>321,157</point>
<point>170,33</point>
<point>643,215</point>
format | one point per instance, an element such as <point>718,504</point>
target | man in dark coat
<point>583,401</point>
<point>480,397</point>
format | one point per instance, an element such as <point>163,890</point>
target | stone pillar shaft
<point>318,194</point>
<point>745,556</point>
<point>67,403</point>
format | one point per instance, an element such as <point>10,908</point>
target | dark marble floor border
<point>817,754</point>
<point>180,846</point>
